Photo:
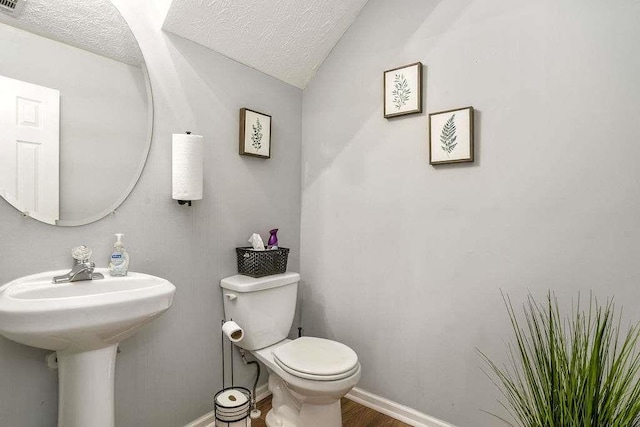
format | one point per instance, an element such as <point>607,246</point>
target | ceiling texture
<point>95,26</point>
<point>286,39</point>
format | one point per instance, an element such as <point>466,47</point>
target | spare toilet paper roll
<point>188,167</point>
<point>232,331</point>
<point>231,398</point>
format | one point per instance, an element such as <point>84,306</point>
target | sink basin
<point>83,322</point>
<point>81,315</point>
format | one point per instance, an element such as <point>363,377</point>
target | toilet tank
<point>263,307</point>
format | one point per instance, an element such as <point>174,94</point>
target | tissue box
<point>262,263</point>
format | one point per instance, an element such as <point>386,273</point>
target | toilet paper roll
<point>188,166</point>
<point>231,399</point>
<point>233,331</point>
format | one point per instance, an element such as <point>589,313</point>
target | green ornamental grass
<point>579,371</point>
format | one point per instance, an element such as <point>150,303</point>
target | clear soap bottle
<point>119,261</point>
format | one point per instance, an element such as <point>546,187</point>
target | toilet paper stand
<point>232,404</point>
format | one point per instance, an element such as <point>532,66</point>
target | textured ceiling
<point>287,39</point>
<point>93,25</point>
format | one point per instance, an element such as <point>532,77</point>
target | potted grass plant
<point>575,371</point>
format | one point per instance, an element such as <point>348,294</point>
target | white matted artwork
<point>451,136</point>
<point>255,134</point>
<point>403,90</point>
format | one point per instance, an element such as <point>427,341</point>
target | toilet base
<point>290,409</point>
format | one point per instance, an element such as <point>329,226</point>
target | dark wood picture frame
<point>243,133</point>
<point>471,143</point>
<point>418,89</point>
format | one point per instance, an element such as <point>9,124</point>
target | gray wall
<point>404,261</point>
<point>167,373</point>
<point>103,117</point>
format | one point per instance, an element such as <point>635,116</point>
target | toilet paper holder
<point>232,404</point>
<point>187,167</point>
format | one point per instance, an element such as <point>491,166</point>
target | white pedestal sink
<point>83,322</point>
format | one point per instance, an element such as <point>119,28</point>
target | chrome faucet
<point>82,269</point>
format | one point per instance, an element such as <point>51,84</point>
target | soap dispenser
<point>119,262</point>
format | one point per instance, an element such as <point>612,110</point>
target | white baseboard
<point>394,410</point>
<point>208,420</point>
<point>385,406</point>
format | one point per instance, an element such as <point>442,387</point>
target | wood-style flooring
<point>353,415</point>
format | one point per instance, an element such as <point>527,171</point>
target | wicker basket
<point>262,263</point>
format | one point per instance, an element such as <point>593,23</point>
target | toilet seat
<point>316,359</point>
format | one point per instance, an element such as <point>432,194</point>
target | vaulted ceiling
<point>287,39</point>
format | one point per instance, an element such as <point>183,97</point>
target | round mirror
<point>76,111</point>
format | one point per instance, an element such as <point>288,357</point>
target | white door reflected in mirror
<point>30,148</point>
<point>105,104</point>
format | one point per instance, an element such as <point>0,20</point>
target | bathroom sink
<point>83,322</point>
<point>80,316</point>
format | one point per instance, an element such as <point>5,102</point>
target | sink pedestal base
<point>86,388</point>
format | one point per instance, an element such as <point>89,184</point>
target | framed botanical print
<point>451,136</point>
<point>403,90</point>
<point>255,134</point>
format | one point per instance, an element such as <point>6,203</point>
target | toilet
<point>307,376</point>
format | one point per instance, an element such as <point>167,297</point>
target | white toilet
<point>307,376</point>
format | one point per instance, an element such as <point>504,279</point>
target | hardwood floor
<point>353,415</point>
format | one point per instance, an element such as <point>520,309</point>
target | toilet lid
<point>317,358</point>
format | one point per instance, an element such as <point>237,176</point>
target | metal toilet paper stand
<point>232,404</point>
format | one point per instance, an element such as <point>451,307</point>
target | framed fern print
<point>403,90</point>
<point>451,136</point>
<point>255,134</point>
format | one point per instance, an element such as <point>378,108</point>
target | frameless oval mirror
<point>76,111</point>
